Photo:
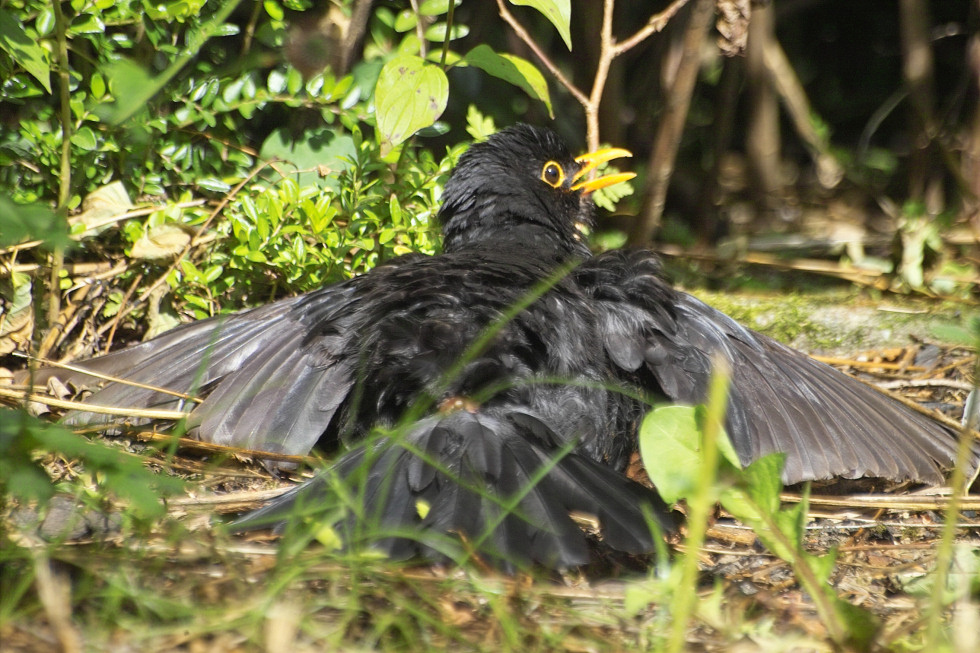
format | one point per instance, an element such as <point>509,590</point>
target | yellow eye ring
<point>553,174</point>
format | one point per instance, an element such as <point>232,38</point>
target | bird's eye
<point>552,174</point>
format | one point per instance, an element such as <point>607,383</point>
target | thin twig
<point>926,383</point>
<point>137,280</point>
<point>656,23</point>
<point>108,377</point>
<point>143,413</point>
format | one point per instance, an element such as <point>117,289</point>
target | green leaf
<point>517,71</point>
<point>670,444</point>
<point>21,222</point>
<point>212,184</point>
<point>862,625</point>
<point>435,7</point>
<point>764,480</point>
<point>23,49</point>
<point>128,82</point>
<point>322,150</point>
<point>559,12</point>
<point>478,126</point>
<point>274,9</point>
<point>410,94</point>
<point>87,24</point>
<point>84,139</point>
<point>437,32</point>
<point>405,21</point>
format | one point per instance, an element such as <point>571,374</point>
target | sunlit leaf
<point>160,242</point>
<point>23,49</point>
<point>513,69</point>
<point>84,139</point>
<point>559,12</point>
<point>410,94</point>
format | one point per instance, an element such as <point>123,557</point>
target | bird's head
<point>523,186</point>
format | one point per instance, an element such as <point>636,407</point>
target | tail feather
<point>499,479</point>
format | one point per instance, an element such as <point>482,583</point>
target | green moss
<point>833,321</point>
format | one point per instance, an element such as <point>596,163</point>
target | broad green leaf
<point>670,444</point>
<point>559,12</point>
<point>410,94</point>
<point>23,49</point>
<point>316,159</point>
<point>517,71</point>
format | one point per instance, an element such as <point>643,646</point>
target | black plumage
<point>503,422</point>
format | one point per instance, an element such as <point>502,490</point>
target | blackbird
<point>485,398</point>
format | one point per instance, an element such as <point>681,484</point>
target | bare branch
<point>656,23</point>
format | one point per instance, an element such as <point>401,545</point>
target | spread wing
<point>266,382</point>
<point>827,423</point>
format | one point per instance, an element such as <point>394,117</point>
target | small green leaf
<point>437,32</point>
<point>97,85</point>
<point>559,12</point>
<point>212,274</point>
<point>435,7</point>
<point>212,184</point>
<point>256,256</point>
<point>45,21</point>
<point>84,139</point>
<point>329,538</point>
<point>405,21</point>
<point>274,9</point>
<point>410,94</point>
<point>517,71</point>
<point>478,126</point>
<point>87,24</point>
<point>23,49</point>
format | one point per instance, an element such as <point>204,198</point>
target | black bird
<point>503,376</point>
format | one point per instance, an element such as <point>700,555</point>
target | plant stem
<point>64,175</point>
<point>449,31</point>
<point>700,505</point>
<point>959,483</point>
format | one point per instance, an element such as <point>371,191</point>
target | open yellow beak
<point>589,163</point>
